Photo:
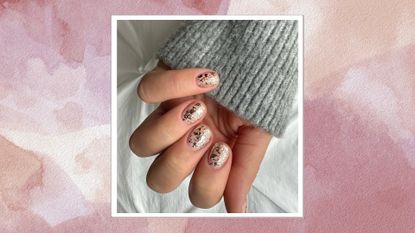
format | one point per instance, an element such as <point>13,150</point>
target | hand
<point>194,133</point>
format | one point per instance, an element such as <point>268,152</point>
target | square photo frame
<point>114,121</point>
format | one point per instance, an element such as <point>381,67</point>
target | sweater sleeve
<point>256,62</point>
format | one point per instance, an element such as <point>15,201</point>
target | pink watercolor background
<point>359,116</point>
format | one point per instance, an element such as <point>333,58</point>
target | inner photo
<point>207,116</point>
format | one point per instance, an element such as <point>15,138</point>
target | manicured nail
<point>199,137</point>
<point>219,154</point>
<point>193,112</point>
<point>207,79</point>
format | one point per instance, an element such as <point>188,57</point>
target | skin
<point>164,132</point>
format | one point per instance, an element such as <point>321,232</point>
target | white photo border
<point>114,19</point>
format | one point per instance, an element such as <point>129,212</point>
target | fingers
<point>173,165</point>
<point>160,130</point>
<point>209,179</point>
<point>161,85</point>
<point>248,152</point>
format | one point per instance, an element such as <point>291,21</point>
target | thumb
<point>248,151</point>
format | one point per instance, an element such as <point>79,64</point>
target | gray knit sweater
<point>256,62</point>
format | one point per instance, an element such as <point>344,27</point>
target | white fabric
<point>275,188</point>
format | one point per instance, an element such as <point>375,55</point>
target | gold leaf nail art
<point>199,137</point>
<point>193,112</point>
<point>219,154</point>
<point>207,79</point>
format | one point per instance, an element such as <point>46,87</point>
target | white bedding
<point>276,186</point>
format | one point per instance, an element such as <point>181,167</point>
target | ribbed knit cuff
<point>256,62</point>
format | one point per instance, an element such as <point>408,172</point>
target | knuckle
<point>156,186</point>
<point>168,135</point>
<point>138,149</point>
<point>175,84</point>
<point>203,197</point>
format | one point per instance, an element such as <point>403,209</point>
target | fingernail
<point>207,79</point>
<point>193,112</point>
<point>245,206</point>
<point>218,155</point>
<point>199,137</point>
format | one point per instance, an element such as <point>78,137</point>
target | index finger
<point>161,84</point>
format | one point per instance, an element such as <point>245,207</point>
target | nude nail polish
<point>207,79</point>
<point>199,137</point>
<point>218,155</point>
<point>193,112</point>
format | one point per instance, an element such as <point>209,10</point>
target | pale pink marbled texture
<point>359,116</point>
